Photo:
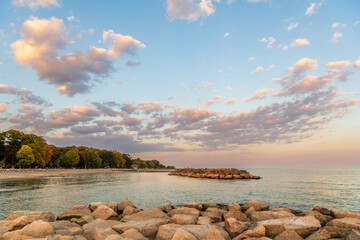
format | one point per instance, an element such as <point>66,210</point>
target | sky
<point>192,83</point>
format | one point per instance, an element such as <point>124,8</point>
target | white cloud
<point>205,84</point>
<point>258,69</point>
<point>3,107</point>
<point>226,35</point>
<point>71,18</point>
<point>311,9</point>
<point>356,23</point>
<point>251,59</point>
<point>292,26</point>
<point>33,4</point>
<point>336,36</point>
<point>270,41</point>
<point>191,10</point>
<point>338,25</point>
<point>230,88</point>
<point>303,65</point>
<point>300,42</point>
<point>357,64</point>
<point>230,100</point>
<point>260,94</point>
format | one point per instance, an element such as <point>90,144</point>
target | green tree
<point>10,144</point>
<point>93,159</point>
<point>109,159</point>
<point>70,158</point>
<point>128,160</point>
<point>25,156</point>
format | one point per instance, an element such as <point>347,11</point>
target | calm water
<point>299,189</point>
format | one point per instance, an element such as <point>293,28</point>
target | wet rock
<point>76,211</point>
<point>129,210</point>
<point>320,234</point>
<point>214,235</point>
<point>265,215</point>
<point>89,228</point>
<point>288,235</point>
<point>258,206</point>
<point>234,227</point>
<point>121,206</point>
<point>183,234</point>
<point>105,213</point>
<point>203,221</point>
<point>303,226</point>
<point>154,212</point>
<point>148,227</point>
<point>133,234</point>
<point>166,208</point>
<point>257,232</point>
<point>102,233</point>
<point>94,205</point>
<point>196,205</point>
<point>183,219</point>
<point>185,210</point>
<point>66,228</point>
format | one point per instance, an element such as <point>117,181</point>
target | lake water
<point>299,189</point>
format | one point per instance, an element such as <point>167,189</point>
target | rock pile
<point>219,173</point>
<point>192,221</point>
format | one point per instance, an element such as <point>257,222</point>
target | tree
<point>25,156</point>
<point>128,160</point>
<point>109,159</point>
<point>93,159</point>
<point>70,158</point>
<point>10,143</point>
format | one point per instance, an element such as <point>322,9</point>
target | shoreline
<point>190,221</point>
<point>14,174</point>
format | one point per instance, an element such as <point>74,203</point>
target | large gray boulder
<point>265,215</point>
<point>303,226</point>
<point>147,227</point>
<point>154,212</point>
<point>89,228</point>
<point>76,211</point>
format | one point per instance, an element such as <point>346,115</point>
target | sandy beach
<point>7,174</point>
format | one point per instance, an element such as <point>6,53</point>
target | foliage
<point>25,156</point>
<point>93,159</point>
<point>70,158</point>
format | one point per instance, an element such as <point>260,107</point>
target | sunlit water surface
<point>299,189</point>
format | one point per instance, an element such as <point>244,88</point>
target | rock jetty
<point>252,220</point>
<point>219,173</point>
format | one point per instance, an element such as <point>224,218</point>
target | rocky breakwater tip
<point>192,221</point>
<point>218,173</point>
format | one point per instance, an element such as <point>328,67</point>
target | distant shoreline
<point>13,174</point>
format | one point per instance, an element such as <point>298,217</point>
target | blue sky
<point>251,82</point>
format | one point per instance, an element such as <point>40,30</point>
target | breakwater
<point>218,173</point>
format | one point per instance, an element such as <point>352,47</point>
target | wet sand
<point>7,174</point>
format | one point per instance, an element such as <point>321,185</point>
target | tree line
<point>18,149</point>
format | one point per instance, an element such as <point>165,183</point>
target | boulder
<point>166,232</point>
<point>129,210</point>
<point>133,234</point>
<point>249,211</point>
<point>102,233</point>
<point>93,206</point>
<point>85,219</point>
<point>237,215</point>
<point>4,226</point>
<point>214,235</point>
<point>324,219</point>
<point>105,213</point>
<point>342,214</point>
<point>185,210</point>
<point>115,237</point>
<point>234,227</point>
<point>182,234</point>
<point>272,231</point>
<point>196,205</point>
<point>148,227</point>
<point>340,226</point>
<point>322,210</point>
<point>218,210</point>
<point>258,206</point>
<point>76,211</point>
<point>234,207</point>
<point>320,234</point>
<point>121,206</point>
<point>38,229</point>
<point>203,221</point>
<point>214,216</point>
<point>113,206</point>
<point>183,219</point>
<point>281,208</point>
<point>288,235</point>
<point>166,208</point>
<point>200,231</point>
<point>257,232</point>
<point>353,235</point>
<point>66,228</point>
<point>32,216</point>
<point>265,215</point>
<point>61,237</point>
<point>304,226</point>
<point>207,205</point>
<point>89,228</point>
<point>154,212</point>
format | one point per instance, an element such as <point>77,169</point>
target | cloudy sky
<point>201,83</point>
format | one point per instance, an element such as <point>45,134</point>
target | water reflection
<point>299,189</point>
